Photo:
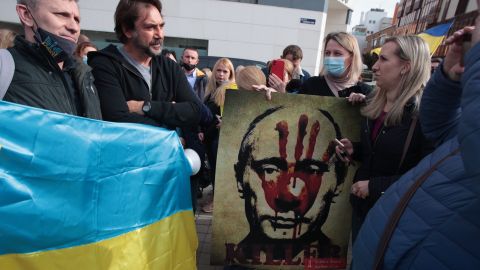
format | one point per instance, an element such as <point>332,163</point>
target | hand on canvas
<point>276,83</point>
<point>267,90</point>
<point>360,189</point>
<point>453,63</point>
<point>135,106</point>
<point>356,98</point>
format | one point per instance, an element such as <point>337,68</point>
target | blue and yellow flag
<point>83,194</point>
<point>434,36</point>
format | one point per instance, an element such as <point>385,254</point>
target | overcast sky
<point>365,5</point>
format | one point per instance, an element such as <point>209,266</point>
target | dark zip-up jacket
<point>39,82</point>
<point>381,158</point>
<point>118,82</point>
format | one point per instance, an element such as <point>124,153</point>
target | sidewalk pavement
<point>204,232</point>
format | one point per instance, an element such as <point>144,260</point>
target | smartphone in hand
<point>278,68</point>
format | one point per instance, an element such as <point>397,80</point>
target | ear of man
<point>24,15</point>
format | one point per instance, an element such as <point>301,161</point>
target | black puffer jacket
<point>118,82</point>
<point>39,82</point>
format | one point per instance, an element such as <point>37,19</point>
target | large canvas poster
<point>281,197</point>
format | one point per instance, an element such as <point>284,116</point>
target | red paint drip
<point>315,129</point>
<point>302,131</point>
<point>282,128</point>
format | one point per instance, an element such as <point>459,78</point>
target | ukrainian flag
<point>434,36</point>
<point>83,194</point>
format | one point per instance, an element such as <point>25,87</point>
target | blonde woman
<point>223,78</point>
<point>341,72</point>
<point>250,76</point>
<point>391,140</point>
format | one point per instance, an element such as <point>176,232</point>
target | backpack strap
<point>7,68</point>
<point>408,140</point>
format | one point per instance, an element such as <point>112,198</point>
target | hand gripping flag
<point>83,194</point>
<point>434,36</point>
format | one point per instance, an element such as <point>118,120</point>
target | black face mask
<point>188,67</point>
<point>59,48</point>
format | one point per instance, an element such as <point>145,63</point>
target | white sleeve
<point>7,68</point>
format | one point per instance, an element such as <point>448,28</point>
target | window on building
<point>373,21</point>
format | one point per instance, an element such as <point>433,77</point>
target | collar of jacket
<point>112,52</point>
<point>40,53</point>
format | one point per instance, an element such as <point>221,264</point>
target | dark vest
<point>39,82</point>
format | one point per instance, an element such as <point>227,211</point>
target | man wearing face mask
<point>45,73</point>
<point>135,83</point>
<point>196,78</point>
<point>194,136</point>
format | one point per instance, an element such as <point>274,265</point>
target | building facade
<point>415,16</point>
<point>371,22</point>
<point>250,29</point>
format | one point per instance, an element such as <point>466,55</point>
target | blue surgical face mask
<point>85,59</point>
<point>335,66</point>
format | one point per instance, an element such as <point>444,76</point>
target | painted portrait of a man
<point>287,178</point>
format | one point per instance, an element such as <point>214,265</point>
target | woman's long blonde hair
<point>410,87</point>
<point>217,93</point>
<point>349,43</point>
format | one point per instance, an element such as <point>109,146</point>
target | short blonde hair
<point>6,38</point>
<point>218,93</point>
<point>410,87</point>
<point>349,43</point>
<point>248,76</point>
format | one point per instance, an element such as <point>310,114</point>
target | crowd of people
<point>410,120</point>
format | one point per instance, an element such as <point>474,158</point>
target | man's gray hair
<point>32,3</point>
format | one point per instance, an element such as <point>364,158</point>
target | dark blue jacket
<point>440,228</point>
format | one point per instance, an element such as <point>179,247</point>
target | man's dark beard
<point>146,49</point>
<point>149,51</point>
